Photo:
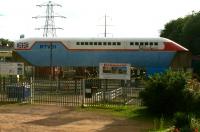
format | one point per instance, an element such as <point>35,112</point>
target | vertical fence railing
<point>32,90</point>
<point>69,92</point>
<point>62,93</point>
<point>110,93</point>
<point>13,90</point>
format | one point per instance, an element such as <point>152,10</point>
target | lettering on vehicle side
<point>47,46</point>
<point>22,45</point>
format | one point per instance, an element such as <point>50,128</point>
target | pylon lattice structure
<point>49,27</point>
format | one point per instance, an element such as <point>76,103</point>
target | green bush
<point>195,123</point>
<point>186,122</point>
<point>194,88</point>
<point>166,93</point>
<point>182,120</point>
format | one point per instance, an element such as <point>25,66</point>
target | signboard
<point>11,68</point>
<point>114,71</point>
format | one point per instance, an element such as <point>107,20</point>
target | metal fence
<point>91,92</point>
<point>13,91</point>
<point>64,93</point>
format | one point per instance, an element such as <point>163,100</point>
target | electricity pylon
<point>105,25</point>
<point>49,26</point>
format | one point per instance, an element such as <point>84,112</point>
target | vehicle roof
<point>159,39</point>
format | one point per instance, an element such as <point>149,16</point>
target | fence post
<point>4,83</point>
<point>32,90</point>
<point>83,93</point>
<point>105,91</point>
<point>75,89</point>
<point>123,91</point>
<point>58,84</point>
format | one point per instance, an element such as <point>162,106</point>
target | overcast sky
<point>129,18</point>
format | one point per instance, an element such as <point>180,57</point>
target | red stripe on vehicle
<point>172,46</point>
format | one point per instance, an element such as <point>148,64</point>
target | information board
<point>11,68</point>
<point>114,71</point>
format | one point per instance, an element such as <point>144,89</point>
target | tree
<point>191,33</point>
<point>173,30</point>
<point>185,31</point>
<point>6,43</point>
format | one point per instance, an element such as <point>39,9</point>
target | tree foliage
<point>6,43</point>
<point>185,31</point>
<point>191,33</point>
<point>173,30</point>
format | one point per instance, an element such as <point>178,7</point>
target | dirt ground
<point>47,118</point>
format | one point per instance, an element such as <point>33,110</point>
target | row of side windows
<point>98,43</point>
<point>144,43</point>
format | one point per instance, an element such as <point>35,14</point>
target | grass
<point>7,102</point>
<point>128,112</point>
<point>139,113</point>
